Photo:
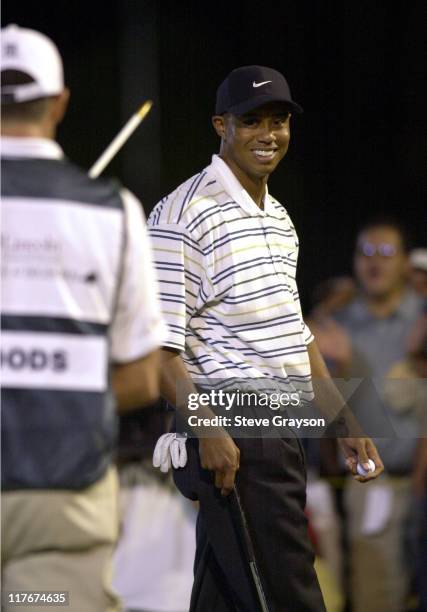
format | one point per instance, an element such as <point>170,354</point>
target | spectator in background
<point>377,323</point>
<point>332,295</point>
<point>329,297</point>
<point>417,353</point>
<point>78,295</point>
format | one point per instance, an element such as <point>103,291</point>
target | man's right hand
<point>222,456</point>
<point>218,454</point>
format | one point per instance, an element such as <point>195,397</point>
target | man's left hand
<point>361,450</point>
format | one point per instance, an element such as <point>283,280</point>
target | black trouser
<point>271,483</point>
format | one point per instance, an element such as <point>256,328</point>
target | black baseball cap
<point>248,87</point>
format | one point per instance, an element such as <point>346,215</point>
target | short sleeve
<point>307,335</point>
<point>179,265</point>
<point>137,327</point>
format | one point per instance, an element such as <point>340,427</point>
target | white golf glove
<point>170,449</point>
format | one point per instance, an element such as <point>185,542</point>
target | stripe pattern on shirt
<point>227,284</point>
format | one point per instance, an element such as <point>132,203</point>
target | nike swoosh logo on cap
<point>259,84</point>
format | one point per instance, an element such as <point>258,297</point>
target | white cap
<point>35,54</point>
<point>418,259</point>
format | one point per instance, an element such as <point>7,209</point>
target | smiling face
<point>253,144</point>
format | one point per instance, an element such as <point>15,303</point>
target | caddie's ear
<point>218,121</point>
<point>60,105</point>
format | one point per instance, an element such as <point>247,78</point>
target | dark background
<point>357,68</point>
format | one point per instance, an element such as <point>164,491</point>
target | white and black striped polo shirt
<point>227,281</point>
<point>78,292</point>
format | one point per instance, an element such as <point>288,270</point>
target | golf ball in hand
<point>361,470</point>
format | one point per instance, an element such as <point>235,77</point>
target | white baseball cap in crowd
<point>34,54</point>
<point>418,259</point>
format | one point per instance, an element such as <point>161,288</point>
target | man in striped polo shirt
<point>226,254</point>
<point>79,320</point>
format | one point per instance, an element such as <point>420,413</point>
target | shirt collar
<point>38,148</point>
<point>407,308</point>
<point>237,192</point>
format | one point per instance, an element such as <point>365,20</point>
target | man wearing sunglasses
<point>378,322</point>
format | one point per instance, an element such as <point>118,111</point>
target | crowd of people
<point>372,328</point>
<point>100,317</point>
